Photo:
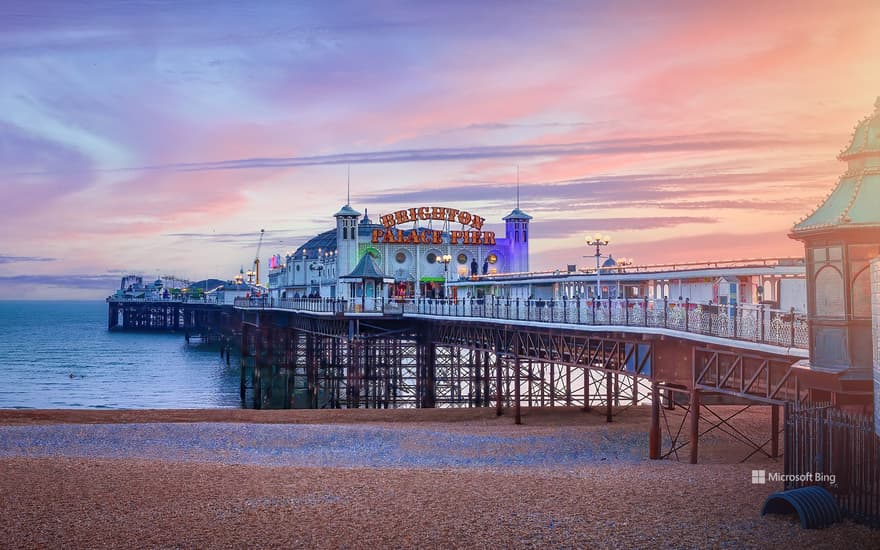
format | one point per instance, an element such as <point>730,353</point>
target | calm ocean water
<point>43,343</point>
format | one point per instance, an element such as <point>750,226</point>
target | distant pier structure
<point>203,309</point>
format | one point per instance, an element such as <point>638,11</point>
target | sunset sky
<point>161,136</point>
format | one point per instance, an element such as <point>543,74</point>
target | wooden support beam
<point>654,437</point>
<point>516,384</point>
<point>608,397</point>
<point>695,425</point>
<point>774,431</point>
<point>499,387</point>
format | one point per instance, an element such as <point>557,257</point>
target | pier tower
<point>841,237</point>
<point>346,243</point>
<point>516,225</point>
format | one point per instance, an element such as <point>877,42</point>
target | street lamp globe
<point>446,258</point>
<point>598,240</point>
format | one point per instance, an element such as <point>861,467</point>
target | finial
<point>517,186</point>
<point>348,192</point>
<point>877,105</point>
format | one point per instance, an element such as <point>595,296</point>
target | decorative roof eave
<point>366,269</point>
<point>517,214</point>
<point>349,279</point>
<point>860,142</point>
<point>347,211</point>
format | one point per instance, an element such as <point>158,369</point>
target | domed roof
<point>610,262</point>
<point>852,202</point>
<point>326,241</point>
<point>866,136</point>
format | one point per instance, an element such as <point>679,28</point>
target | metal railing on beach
<point>839,451</point>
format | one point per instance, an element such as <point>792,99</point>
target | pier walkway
<point>748,326</point>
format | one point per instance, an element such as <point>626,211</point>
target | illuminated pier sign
<point>392,235</point>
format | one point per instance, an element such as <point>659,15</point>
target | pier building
<point>421,249</point>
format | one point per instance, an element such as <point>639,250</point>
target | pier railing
<point>170,300</point>
<point>321,305</point>
<point>746,322</point>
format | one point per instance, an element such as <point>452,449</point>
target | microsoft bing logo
<point>759,477</point>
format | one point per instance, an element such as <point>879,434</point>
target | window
<point>462,258</point>
<point>400,257</point>
<point>828,293</point>
<point>344,232</point>
<point>492,258</point>
<point>861,294</point>
<point>431,257</point>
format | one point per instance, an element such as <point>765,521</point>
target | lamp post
<point>446,258</point>
<point>598,240</point>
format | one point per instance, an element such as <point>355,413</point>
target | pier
<point>505,354</point>
<point>357,319</point>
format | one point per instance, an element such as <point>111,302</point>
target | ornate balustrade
<point>748,322</point>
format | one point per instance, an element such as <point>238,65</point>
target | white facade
<point>778,284</point>
<point>415,264</point>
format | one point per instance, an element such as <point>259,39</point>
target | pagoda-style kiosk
<point>367,284</point>
<point>841,238</point>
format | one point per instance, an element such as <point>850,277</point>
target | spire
<point>517,214</point>
<point>877,105</point>
<point>348,192</point>
<point>517,186</point>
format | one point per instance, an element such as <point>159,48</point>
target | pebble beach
<point>378,478</point>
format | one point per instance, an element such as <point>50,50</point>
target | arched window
<point>828,293</point>
<point>344,231</point>
<point>861,294</point>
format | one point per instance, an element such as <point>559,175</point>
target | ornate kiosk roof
<point>853,203</point>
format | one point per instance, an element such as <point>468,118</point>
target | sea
<point>60,355</point>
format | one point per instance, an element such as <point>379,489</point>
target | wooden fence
<point>839,451</point>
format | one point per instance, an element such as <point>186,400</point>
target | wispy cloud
<point>6,259</point>
<point>662,144</point>
<point>607,191</point>
<point>554,228</point>
<point>244,239</point>
<point>77,281</point>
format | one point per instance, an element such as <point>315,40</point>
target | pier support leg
<point>499,388</point>
<point>487,377</point>
<point>312,371</point>
<point>774,431</point>
<point>587,380</point>
<point>516,383</point>
<point>257,382</point>
<point>609,388</point>
<point>244,353</point>
<point>695,425</point>
<point>478,378</point>
<point>654,434</point>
